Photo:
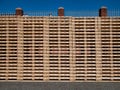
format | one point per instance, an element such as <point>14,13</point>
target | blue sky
<point>45,7</point>
<point>52,5</point>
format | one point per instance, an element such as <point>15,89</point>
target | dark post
<point>60,11</point>
<point>103,12</point>
<point>19,12</point>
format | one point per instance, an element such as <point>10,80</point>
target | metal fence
<point>114,12</point>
